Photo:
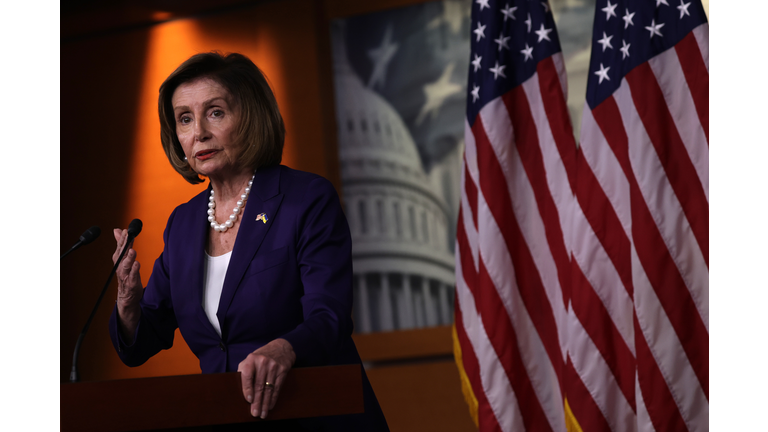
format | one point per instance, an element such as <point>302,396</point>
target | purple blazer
<point>289,277</point>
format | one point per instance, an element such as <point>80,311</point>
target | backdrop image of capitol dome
<point>400,89</point>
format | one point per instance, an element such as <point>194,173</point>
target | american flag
<point>582,274</point>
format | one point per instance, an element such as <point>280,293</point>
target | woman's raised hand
<point>263,373</point>
<point>129,287</point>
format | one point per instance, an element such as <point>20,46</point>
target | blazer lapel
<point>264,199</point>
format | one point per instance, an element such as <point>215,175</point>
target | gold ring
<point>266,384</point>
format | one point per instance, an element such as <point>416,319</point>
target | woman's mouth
<point>205,154</point>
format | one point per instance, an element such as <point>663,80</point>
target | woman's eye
<point>217,113</point>
<point>185,119</point>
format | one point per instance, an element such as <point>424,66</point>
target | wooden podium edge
<point>205,400</point>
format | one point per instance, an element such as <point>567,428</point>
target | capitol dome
<point>401,252</point>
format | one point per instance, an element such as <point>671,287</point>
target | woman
<point>256,271</point>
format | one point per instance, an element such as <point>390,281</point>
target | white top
<point>215,270</point>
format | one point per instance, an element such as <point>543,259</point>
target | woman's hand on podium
<point>263,373</point>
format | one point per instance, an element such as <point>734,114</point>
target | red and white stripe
<point>582,274</point>
<point>647,147</point>
<point>509,284</point>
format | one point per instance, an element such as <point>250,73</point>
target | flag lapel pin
<point>262,217</point>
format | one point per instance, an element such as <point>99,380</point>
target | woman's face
<point>206,125</point>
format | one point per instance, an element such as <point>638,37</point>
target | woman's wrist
<point>287,349</point>
<point>127,320</point>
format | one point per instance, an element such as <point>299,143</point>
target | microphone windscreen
<point>134,228</point>
<point>90,235</point>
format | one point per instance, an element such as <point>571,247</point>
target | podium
<point>192,402</point>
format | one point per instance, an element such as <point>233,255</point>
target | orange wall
<point>113,167</point>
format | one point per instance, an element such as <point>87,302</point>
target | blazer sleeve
<point>324,258</point>
<point>157,324</point>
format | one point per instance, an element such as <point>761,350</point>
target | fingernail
<point>263,415</point>
<point>249,398</point>
<point>255,412</point>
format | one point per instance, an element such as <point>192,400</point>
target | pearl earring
<point>185,159</point>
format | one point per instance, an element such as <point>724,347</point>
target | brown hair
<point>261,131</point>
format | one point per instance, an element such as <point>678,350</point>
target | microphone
<point>88,236</point>
<point>134,228</point>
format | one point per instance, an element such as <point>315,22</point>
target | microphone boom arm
<point>74,375</point>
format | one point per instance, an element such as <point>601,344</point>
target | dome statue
<point>401,250</point>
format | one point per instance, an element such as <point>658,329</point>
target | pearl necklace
<point>233,217</point>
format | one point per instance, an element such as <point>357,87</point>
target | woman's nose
<point>201,131</point>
